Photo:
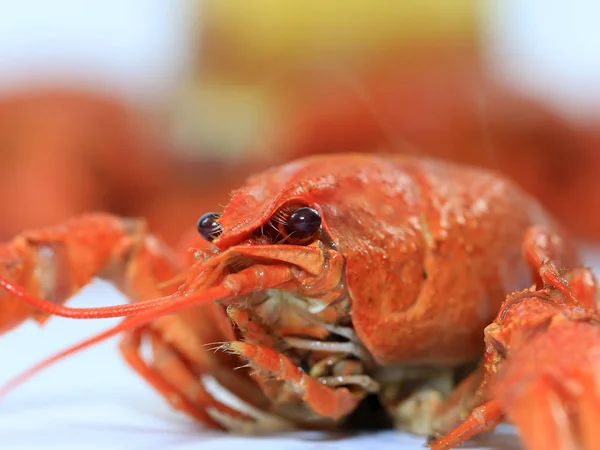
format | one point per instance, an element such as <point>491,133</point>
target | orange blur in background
<point>258,94</point>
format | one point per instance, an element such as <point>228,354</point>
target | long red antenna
<point>103,312</point>
<point>130,323</point>
<point>241,283</point>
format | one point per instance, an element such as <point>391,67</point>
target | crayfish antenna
<point>176,303</point>
<point>104,312</point>
<point>96,339</point>
<point>241,283</point>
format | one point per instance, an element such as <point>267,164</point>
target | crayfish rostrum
<point>443,291</point>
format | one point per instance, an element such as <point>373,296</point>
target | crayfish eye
<point>208,226</point>
<point>303,222</point>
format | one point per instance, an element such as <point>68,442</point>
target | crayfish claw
<point>589,416</point>
<point>558,415</point>
<point>542,418</point>
<point>540,366</point>
<point>550,388</point>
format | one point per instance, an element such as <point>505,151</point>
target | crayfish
<point>443,291</point>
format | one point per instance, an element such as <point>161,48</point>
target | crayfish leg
<point>584,285</point>
<point>483,418</point>
<point>254,331</point>
<point>40,270</point>
<point>539,246</point>
<point>172,378</point>
<point>461,401</point>
<point>252,327</point>
<point>325,401</point>
<point>130,350</point>
<point>434,404</point>
<point>578,285</point>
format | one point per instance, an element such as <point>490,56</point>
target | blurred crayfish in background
<point>267,84</point>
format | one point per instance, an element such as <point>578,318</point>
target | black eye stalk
<point>208,227</point>
<point>303,222</point>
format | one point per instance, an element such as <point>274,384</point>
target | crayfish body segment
<point>329,281</point>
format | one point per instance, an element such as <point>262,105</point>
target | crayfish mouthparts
<point>314,272</point>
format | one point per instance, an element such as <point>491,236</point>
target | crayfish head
<point>257,266</point>
<point>272,236</point>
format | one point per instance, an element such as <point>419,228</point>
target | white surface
<point>93,401</point>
